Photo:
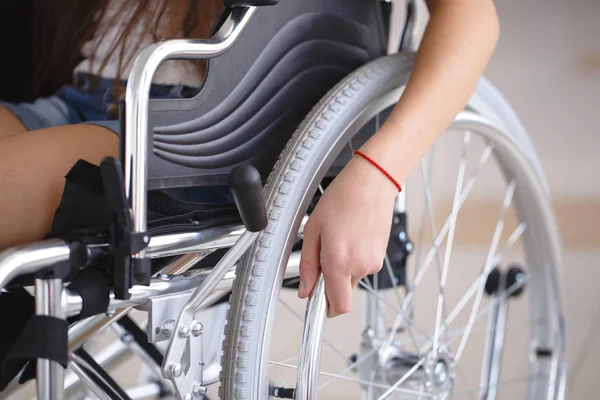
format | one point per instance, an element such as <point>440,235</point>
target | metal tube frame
<point>494,344</point>
<point>137,99</point>
<point>35,257</point>
<point>50,374</point>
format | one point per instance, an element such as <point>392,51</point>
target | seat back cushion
<point>257,93</point>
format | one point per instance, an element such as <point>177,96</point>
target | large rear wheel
<point>448,323</point>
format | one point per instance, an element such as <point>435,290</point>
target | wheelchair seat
<point>257,93</point>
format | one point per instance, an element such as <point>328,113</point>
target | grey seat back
<point>256,94</point>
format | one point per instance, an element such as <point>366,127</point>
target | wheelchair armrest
<point>249,3</point>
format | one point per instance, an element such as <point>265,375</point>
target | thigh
<point>32,169</point>
<point>10,124</point>
<point>43,113</point>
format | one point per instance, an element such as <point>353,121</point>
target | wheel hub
<point>390,364</point>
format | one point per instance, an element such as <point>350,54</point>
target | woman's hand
<point>347,234</point>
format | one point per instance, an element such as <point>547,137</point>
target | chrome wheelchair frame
<point>209,284</point>
<point>196,289</point>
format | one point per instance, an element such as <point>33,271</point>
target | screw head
<point>176,370</point>
<point>402,236</point>
<point>127,338</point>
<point>184,332</point>
<point>167,328</point>
<point>164,277</point>
<point>199,390</point>
<point>188,396</point>
<point>197,328</point>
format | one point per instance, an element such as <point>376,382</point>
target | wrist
<point>376,165</point>
<point>396,149</point>
<point>372,178</point>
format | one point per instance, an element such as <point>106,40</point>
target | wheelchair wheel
<point>491,328</point>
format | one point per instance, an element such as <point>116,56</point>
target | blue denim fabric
<point>87,99</point>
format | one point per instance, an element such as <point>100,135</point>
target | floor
<point>548,65</point>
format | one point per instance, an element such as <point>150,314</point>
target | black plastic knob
<point>492,284</point>
<point>246,185</point>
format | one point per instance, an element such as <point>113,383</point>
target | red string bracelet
<point>379,167</point>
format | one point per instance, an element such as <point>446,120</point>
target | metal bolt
<point>199,390</point>
<point>127,338</point>
<point>176,370</point>
<point>402,236</point>
<point>409,247</point>
<point>167,328</point>
<point>146,239</point>
<point>184,332</point>
<point>164,277</point>
<point>110,312</point>
<point>187,397</point>
<point>197,328</point>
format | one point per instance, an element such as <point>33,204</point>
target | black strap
<point>16,307</point>
<point>43,337</point>
<point>94,289</point>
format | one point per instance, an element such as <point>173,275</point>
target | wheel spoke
<point>409,325</point>
<point>294,313</point>
<point>449,244</point>
<point>473,289</point>
<point>489,264</point>
<point>512,239</point>
<point>284,361</point>
<point>362,382</point>
<point>349,368</point>
<point>485,155</point>
<point>444,231</point>
<point>427,175</point>
<point>484,311</point>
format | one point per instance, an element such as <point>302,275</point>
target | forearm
<point>455,50</point>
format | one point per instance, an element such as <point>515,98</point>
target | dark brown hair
<point>64,26</point>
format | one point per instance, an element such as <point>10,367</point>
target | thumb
<point>310,260</point>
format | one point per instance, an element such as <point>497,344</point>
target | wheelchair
<point>292,88</point>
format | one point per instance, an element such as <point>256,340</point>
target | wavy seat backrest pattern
<point>256,94</point>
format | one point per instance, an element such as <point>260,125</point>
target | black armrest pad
<point>249,3</point>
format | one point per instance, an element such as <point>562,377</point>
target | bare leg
<point>10,124</point>
<point>32,170</point>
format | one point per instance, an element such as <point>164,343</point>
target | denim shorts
<point>88,99</point>
<point>91,100</point>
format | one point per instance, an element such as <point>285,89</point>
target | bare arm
<point>347,233</point>
<point>456,48</point>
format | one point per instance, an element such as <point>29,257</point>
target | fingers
<point>338,288</point>
<point>309,262</point>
